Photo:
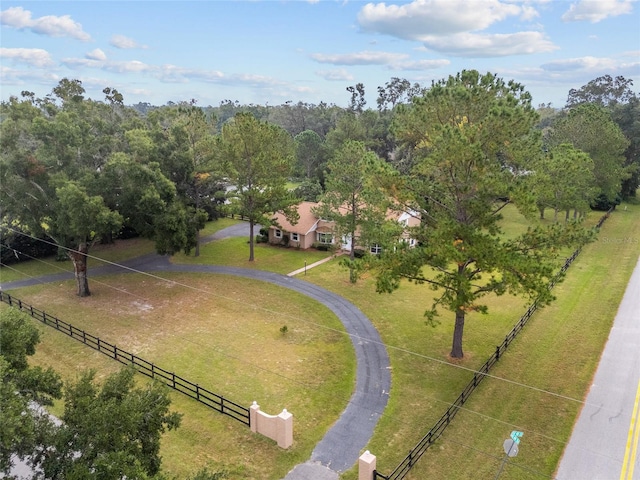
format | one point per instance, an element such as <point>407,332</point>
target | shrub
<point>17,246</point>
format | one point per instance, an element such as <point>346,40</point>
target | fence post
<point>253,417</point>
<point>366,466</point>
<point>498,352</point>
<point>285,429</point>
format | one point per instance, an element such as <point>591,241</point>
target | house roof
<point>306,222</point>
<point>309,222</point>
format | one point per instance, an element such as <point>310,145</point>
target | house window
<point>277,233</point>
<point>375,249</point>
<point>325,238</point>
<point>410,241</point>
<point>295,237</point>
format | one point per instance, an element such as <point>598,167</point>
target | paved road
<point>604,442</point>
<point>342,444</point>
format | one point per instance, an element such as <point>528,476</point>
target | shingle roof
<point>306,222</point>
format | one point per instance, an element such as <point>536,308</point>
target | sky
<point>269,52</point>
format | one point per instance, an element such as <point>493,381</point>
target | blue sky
<point>271,52</point>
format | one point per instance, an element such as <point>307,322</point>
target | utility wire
<point>289,379</point>
<point>356,337</point>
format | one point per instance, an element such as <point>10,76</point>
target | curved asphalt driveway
<point>342,444</point>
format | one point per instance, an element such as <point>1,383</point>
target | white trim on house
<point>321,237</point>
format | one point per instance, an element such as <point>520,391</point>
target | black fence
<point>432,435</point>
<point>193,390</point>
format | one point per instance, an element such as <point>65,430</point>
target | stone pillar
<point>253,416</point>
<point>366,466</point>
<point>285,429</point>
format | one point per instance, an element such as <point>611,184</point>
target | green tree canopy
<point>21,384</point>
<point>353,200</point>
<point>473,139</point>
<point>310,155</point>
<point>259,160</point>
<point>590,128</point>
<point>108,431</point>
<point>604,91</point>
<point>76,170</point>
<point>564,180</point>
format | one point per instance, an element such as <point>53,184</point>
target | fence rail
<point>193,390</point>
<point>432,435</point>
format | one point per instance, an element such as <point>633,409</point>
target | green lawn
<point>235,252</point>
<point>557,352</point>
<point>223,333</point>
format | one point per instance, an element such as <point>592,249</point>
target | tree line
<point>77,171</point>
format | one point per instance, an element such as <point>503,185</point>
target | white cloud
<point>495,45</point>
<point>209,76</point>
<point>125,43</point>
<point>594,64</point>
<point>96,54</point>
<point>335,75</point>
<point>393,61</point>
<point>16,17</point>
<point>359,58</point>
<point>50,25</point>
<point>595,11</point>
<point>419,65</point>
<point>27,78</point>
<point>453,26</point>
<point>428,18</point>
<point>35,57</point>
<point>529,13</point>
<point>171,73</point>
<point>131,66</point>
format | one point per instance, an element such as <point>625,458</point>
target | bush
<point>603,204</point>
<point>263,236</point>
<point>359,253</point>
<point>17,246</point>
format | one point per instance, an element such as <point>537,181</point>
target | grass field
<point>557,352</point>
<point>212,331</point>
<point>224,334</point>
<point>235,252</point>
